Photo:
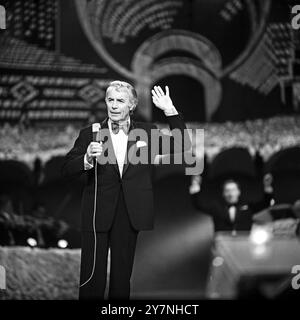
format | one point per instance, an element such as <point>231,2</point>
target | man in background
<point>230,213</point>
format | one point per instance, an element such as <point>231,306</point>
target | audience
<point>16,229</point>
<point>261,137</point>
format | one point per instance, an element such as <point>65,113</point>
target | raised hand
<point>196,182</point>
<point>162,100</point>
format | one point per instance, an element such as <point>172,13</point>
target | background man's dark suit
<point>219,211</point>
<point>124,207</point>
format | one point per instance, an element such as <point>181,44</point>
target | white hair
<point>119,85</point>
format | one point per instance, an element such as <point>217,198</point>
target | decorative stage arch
<point>204,68</point>
<point>146,31</point>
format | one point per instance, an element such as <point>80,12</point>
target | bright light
<point>32,242</point>
<point>260,251</point>
<point>260,235</point>
<point>218,261</point>
<point>62,244</point>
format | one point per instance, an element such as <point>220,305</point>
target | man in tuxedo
<point>231,214</point>
<point>118,197</point>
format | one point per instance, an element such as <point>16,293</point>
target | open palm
<point>160,99</point>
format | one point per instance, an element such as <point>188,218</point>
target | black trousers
<point>121,239</point>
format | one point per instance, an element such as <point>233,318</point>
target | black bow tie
<point>115,127</point>
<point>228,205</point>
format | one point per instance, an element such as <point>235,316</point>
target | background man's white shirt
<point>232,213</point>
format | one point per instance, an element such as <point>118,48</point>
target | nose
<point>114,105</point>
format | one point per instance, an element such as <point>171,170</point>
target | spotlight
<point>31,242</point>
<point>62,244</point>
<point>218,261</point>
<point>260,235</point>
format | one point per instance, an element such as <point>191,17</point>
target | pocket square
<point>244,207</point>
<point>140,144</point>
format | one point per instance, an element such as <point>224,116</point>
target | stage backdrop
<point>223,60</point>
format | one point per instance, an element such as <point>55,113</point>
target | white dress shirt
<point>232,213</point>
<point>119,142</point>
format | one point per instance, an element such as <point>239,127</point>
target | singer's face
<point>118,104</point>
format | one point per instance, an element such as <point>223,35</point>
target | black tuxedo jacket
<point>136,180</point>
<point>219,211</point>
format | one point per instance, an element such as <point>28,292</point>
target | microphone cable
<point>96,129</point>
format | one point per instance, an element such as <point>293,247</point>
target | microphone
<point>96,138</point>
<point>96,132</point>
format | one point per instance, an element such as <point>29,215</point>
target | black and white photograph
<point>149,151</point>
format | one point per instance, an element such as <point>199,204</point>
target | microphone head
<point>96,132</point>
<point>96,127</point>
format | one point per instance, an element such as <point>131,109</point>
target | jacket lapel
<point>131,145</point>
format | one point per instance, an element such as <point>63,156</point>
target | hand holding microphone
<point>93,151</point>
<point>95,148</point>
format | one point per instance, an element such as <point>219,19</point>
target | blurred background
<point>233,68</point>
